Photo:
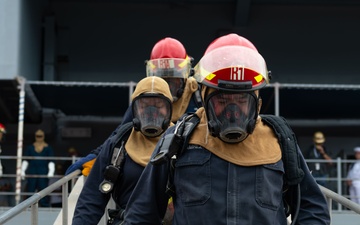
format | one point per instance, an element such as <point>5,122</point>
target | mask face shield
<point>231,114</point>
<point>168,67</point>
<point>152,114</point>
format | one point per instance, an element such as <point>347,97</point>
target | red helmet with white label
<point>232,62</point>
<point>2,128</point>
<point>168,59</point>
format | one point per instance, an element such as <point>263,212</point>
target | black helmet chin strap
<point>180,91</point>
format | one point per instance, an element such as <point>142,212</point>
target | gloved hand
<point>87,167</point>
<point>24,166</point>
<point>79,164</point>
<point>51,172</point>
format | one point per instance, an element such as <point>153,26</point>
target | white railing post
<point>35,214</point>
<point>339,179</point>
<point>20,138</point>
<point>65,204</point>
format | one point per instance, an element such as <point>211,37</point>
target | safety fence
<point>278,96</point>
<point>15,191</point>
<point>33,201</point>
<point>336,181</point>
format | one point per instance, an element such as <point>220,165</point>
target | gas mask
<point>152,114</point>
<point>232,115</point>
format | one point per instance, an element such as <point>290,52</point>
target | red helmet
<point>230,39</point>
<point>168,48</point>
<point>232,62</point>
<point>2,128</point>
<point>168,59</point>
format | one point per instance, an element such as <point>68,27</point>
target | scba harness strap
<point>175,142</point>
<point>290,156</point>
<point>288,144</point>
<point>113,171</point>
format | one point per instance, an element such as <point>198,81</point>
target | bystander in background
<point>354,178</point>
<point>317,151</point>
<point>39,169</point>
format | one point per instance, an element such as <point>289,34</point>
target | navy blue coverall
<point>92,202</point>
<point>90,196</point>
<point>210,190</point>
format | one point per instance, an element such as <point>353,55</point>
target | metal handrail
<point>330,195</point>
<point>33,201</point>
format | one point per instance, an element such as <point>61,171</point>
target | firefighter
<point>231,170</point>
<point>170,61</point>
<point>152,108</point>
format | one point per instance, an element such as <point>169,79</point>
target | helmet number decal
<point>166,63</point>
<point>236,73</point>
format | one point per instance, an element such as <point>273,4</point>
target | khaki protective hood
<point>152,85</point>
<point>181,105</point>
<point>259,148</point>
<point>138,146</point>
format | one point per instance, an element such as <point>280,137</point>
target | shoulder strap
<point>173,143</point>
<point>122,130</point>
<point>122,133</point>
<point>113,170</point>
<point>188,126</point>
<point>288,143</point>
